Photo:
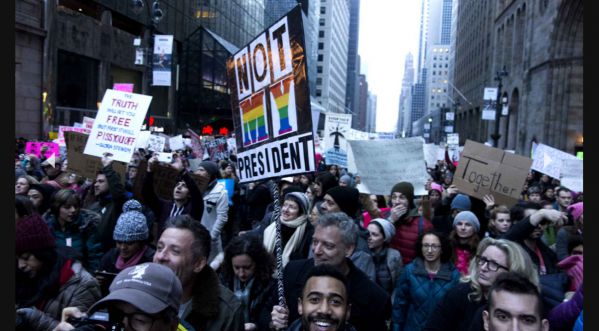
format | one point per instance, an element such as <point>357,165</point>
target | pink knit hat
<point>575,210</point>
<point>436,187</point>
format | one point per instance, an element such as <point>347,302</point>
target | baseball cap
<point>150,287</point>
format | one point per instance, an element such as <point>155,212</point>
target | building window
<point>320,57</point>
<point>320,34</point>
<point>318,80</point>
<point>323,10</point>
<point>319,69</point>
<point>320,45</point>
<point>318,93</point>
<point>321,22</point>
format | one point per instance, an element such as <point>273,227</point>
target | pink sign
<point>125,87</point>
<point>62,129</point>
<point>35,148</point>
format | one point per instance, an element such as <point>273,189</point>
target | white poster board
<point>548,160</point>
<point>572,174</point>
<point>156,143</point>
<point>337,128</point>
<point>384,163</point>
<point>176,143</point>
<point>117,125</point>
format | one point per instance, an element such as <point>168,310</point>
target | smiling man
<point>324,303</point>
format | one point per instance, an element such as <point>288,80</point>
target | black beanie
<point>211,167</point>
<point>406,189</point>
<point>347,198</point>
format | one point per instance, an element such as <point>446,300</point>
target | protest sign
<point>62,129</point>
<point>176,143</point>
<point>217,148</point>
<point>197,147</point>
<point>430,154</point>
<point>488,170</point>
<point>125,87</point>
<point>384,163</point>
<point>337,128</point>
<point>156,143</point>
<point>165,179</point>
<point>35,148</point>
<point>270,99</point>
<point>548,160</point>
<point>142,139</point>
<point>84,165</point>
<point>385,135</point>
<point>453,139</point>
<point>78,125</point>
<point>117,124</point>
<point>572,174</point>
<point>88,122</point>
<point>230,187</point>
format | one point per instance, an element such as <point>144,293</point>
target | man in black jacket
<point>333,243</point>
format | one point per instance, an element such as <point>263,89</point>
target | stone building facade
<point>540,45</point>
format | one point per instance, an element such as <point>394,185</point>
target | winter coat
<point>82,234</point>
<point>258,297</point>
<point>519,232</point>
<point>109,206</point>
<point>81,291</point>
<point>213,306</point>
<point>563,316</point>
<point>455,311</point>
<point>565,235</point>
<point>370,304</point>
<point>388,266</point>
<point>297,326</point>
<point>407,230</point>
<point>215,215</point>
<point>416,294</point>
<point>162,208</point>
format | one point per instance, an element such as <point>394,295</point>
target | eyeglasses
<point>491,265</point>
<point>434,248</point>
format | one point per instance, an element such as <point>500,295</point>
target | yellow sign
<point>52,135</point>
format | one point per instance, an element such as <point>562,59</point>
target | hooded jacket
<point>213,306</point>
<point>215,216</point>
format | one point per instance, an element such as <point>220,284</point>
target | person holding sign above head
<point>186,195</point>
<point>109,195</point>
<point>408,223</point>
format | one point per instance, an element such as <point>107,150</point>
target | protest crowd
<point>181,244</point>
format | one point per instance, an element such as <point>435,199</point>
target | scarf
<point>243,294</point>
<point>299,224</point>
<point>176,211</point>
<point>121,264</point>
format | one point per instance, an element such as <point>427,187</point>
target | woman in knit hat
<point>570,233</point>
<point>464,239</point>
<point>387,261</point>
<point>47,278</point>
<point>408,223</point>
<point>131,236</point>
<point>423,282</point>
<point>75,227</point>
<point>296,230</point>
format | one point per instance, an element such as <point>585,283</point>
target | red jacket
<point>406,234</point>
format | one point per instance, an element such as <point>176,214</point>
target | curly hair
<point>517,260</point>
<point>251,246</point>
<point>446,251</point>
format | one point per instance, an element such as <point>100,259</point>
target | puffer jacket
<point>388,266</point>
<point>82,234</point>
<point>416,294</point>
<point>407,230</point>
<point>215,216</point>
<point>81,291</point>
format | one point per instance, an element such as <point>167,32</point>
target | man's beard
<point>325,319</point>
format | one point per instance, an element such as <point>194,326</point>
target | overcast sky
<point>388,31</point>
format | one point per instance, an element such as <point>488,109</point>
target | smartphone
<point>165,157</point>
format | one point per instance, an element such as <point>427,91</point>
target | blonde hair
<point>517,261</point>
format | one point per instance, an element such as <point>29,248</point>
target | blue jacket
<point>416,294</point>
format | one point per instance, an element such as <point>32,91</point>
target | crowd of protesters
<point>399,261</point>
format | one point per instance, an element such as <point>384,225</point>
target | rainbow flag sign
<point>270,99</point>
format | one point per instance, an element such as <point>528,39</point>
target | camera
<point>99,320</point>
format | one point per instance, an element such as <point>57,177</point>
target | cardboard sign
<point>35,148</point>
<point>62,129</point>
<point>176,143</point>
<point>483,170</point>
<point>165,180</point>
<point>548,160</point>
<point>117,125</point>
<point>270,99</point>
<point>572,174</point>
<point>384,163</point>
<point>84,165</point>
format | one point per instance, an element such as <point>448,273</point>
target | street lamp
<point>498,77</point>
<point>155,14</point>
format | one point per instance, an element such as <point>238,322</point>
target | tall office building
<point>403,119</point>
<point>359,117</point>
<point>351,95</point>
<point>371,112</point>
<point>331,68</point>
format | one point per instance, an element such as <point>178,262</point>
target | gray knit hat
<point>211,167</point>
<point>301,199</point>
<point>469,217</point>
<point>388,228</point>
<point>132,224</point>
